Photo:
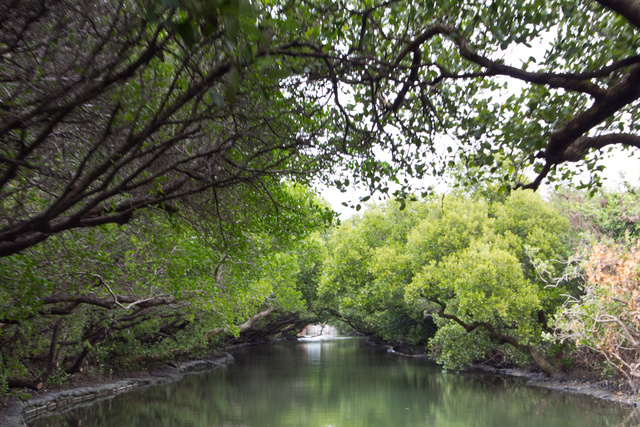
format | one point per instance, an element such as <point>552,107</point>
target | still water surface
<point>343,383</point>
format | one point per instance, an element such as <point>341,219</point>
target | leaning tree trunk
<point>501,338</point>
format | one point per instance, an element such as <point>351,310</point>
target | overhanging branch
<point>630,9</point>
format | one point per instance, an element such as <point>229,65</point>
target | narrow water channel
<point>343,383</point>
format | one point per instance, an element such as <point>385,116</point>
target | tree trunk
<point>244,326</point>
<point>501,338</point>
<point>541,362</point>
<point>17,383</point>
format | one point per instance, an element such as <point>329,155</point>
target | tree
<point>311,254</point>
<point>475,274</point>
<point>522,86</point>
<point>162,100</point>
<point>365,272</point>
<point>606,318</point>
<point>605,215</point>
<point>206,109</point>
<point>115,295</point>
<point>599,319</point>
<point>111,108</point>
<point>112,114</point>
<point>471,266</point>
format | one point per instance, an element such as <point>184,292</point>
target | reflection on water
<point>313,346</point>
<point>314,352</point>
<point>343,383</point>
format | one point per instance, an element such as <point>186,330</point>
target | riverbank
<point>598,389</point>
<point>16,412</point>
<point>81,392</point>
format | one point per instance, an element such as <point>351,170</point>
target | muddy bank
<point>599,390</point>
<point>17,413</point>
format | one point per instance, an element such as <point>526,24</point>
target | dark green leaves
<point>173,4</point>
<point>279,73</point>
<point>216,98</point>
<point>233,83</point>
<point>188,32</point>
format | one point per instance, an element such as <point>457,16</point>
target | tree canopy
<point>468,265</point>
<point>111,108</point>
<point>523,85</point>
<point>153,288</point>
<point>114,107</point>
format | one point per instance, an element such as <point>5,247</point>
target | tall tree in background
<point>366,269</point>
<point>478,274</point>
<point>470,267</point>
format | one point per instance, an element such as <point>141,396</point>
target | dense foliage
<point>606,318</point>
<point>112,107</point>
<point>109,108</point>
<point>155,288</point>
<point>501,87</point>
<point>468,264</point>
<point>603,320</point>
<point>366,269</point>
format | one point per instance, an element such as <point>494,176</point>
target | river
<point>343,383</point>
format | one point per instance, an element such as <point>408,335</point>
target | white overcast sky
<point>618,164</point>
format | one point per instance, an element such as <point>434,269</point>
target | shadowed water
<point>343,383</point>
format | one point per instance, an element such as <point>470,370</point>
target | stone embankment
<point>18,413</point>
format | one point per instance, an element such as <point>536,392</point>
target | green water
<point>344,383</point>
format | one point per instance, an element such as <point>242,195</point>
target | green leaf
<point>233,83</point>
<point>279,73</point>
<point>232,27</point>
<point>174,4</point>
<point>248,54</point>
<point>216,98</point>
<point>151,15</point>
<point>188,33</point>
<point>246,8</point>
<point>265,95</point>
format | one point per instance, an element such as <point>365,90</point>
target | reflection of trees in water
<point>352,385</point>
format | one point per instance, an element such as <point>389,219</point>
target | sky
<point>618,164</point>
